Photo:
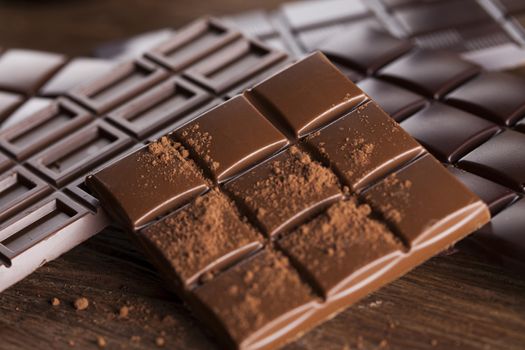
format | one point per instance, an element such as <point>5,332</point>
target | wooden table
<point>451,302</point>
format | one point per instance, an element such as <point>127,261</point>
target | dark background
<point>75,27</point>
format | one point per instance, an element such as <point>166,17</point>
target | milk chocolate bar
<point>277,209</point>
<point>64,118</point>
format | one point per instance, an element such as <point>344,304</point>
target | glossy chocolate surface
<point>249,139</point>
<point>449,132</point>
<point>429,72</point>
<point>266,255</point>
<point>324,95</point>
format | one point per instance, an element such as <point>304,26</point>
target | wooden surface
<point>451,302</point>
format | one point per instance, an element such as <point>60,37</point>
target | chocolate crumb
<point>160,342</point>
<point>135,339</point>
<point>71,343</point>
<point>55,301</point>
<point>101,342</point>
<point>81,304</point>
<point>206,277</point>
<point>124,312</point>
<point>434,342</point>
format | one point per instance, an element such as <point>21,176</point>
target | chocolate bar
<point>64,118</point>
<point>280,207</point>
<point>487,33</point>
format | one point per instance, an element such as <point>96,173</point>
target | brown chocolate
<point>165,179</point>
<point>365,145</point>
<point>204,236</point>
<point>324,95</point>
<point>250,138</point>
<point>268,254</point>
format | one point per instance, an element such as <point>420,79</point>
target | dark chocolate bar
<point>412,84</point>
<point>64,118</point>
<point>284,205</point>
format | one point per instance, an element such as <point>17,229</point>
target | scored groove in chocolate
<point>62,117</point>
<point>121,84</point>
<point>157,107</point>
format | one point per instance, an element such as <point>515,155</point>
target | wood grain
<point>450,302</point>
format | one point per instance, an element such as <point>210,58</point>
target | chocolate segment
<point>250,138</point>
<point>161,178</point>
<point>39,222</point>
<point>8,102</point>
<point>205,236</point>
<point>429,72</point>
<point>348,49</point>
<point>74,73</point>
<point>323,95</point>
<point>259,298</point>
<point>448,132</point>
<point>498,160</point>
<point>18,189</point>
<point>503,235</point>
<point>342,247</point>
<point>496,96</point>
<point>285,190</point>
<point>400,197</point>
<point>78,152</point>
<point>47,125</point>
<point>26,110</point>
<point>364,146</point>
<point>397,102</point>
<point>158,107</point>
<point>218,74</point>
<point>440,15</point>
<point>495,196</point>
<point>192,43</point>
<point>125,81</point>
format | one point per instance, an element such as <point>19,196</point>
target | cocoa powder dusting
<point>396,189</point>
<point>198,234</point>
<point>346,229</point>
<point>257,290</point>
<point>168,158</point>
<point>288,185</point>
<point>200,141</point>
